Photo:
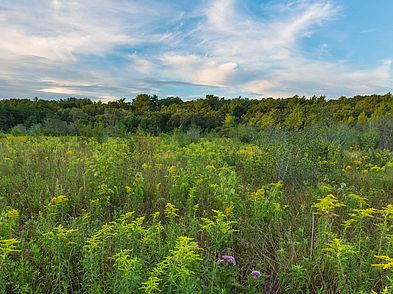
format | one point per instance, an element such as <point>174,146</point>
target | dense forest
<point>150,114</point>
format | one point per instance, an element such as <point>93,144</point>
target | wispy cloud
<point>59,91</point>
<point>59,30</point>
<point>269,57</point>
<point>121,48</point>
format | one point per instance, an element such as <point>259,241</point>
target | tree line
<point>76,116</point>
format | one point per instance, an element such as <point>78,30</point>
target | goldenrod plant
<point>270,211</point>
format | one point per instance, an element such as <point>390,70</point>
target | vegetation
<point>286,202</point>
<point>152,115</point>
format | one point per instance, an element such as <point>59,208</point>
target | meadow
<point>276,211</point>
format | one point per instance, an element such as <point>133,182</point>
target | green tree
<point>295,119</point>
<point>144,103</point>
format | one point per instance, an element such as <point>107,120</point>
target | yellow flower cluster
<point>170,210</point>
<point>171,169</point>
<point>326,205</point>
<point>388,262</point>
<point>7,247</point>
<point>12,214</point>
<point>61,199</point>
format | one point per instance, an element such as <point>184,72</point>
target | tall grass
<point>283,212</point>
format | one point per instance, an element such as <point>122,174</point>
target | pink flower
<point>256,274</point>
<point>226,258</point>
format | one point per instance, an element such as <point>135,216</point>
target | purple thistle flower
<point>230,259</point>
<point>256,274</point>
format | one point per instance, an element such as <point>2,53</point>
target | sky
<point>110,49</point>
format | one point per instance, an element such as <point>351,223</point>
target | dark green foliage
<point>149,113</point>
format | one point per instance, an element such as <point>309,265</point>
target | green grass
<point>309,210</point>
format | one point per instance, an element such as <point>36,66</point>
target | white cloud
<point>59,90</point>
<point>47,42</point>
<point>109,49</point>
<point>140,64</point>
<point>106,99</point>
<point>59,30</point>
<point>67,83</point>
<point>261,86</point>
<point>234,34</point>
<point>269,57</point>
<point>235,51</point>
<point>199,69</point>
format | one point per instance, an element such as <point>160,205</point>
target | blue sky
<point>109,49</point>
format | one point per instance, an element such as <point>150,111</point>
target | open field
<point>285,212</point>
<point>192,147</point>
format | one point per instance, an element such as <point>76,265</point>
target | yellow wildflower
<point>8,246</point>
<point>128,189</point>
<point>228,211</point>
<point>170,210</point>
<point>58,200</point>
<point>327,204</point>
<point>388,262</point>
<point>375,168</point>
<point>279,184</point>
<point>389,164</point>
<point>12,214</point>
<point>171,169</point>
